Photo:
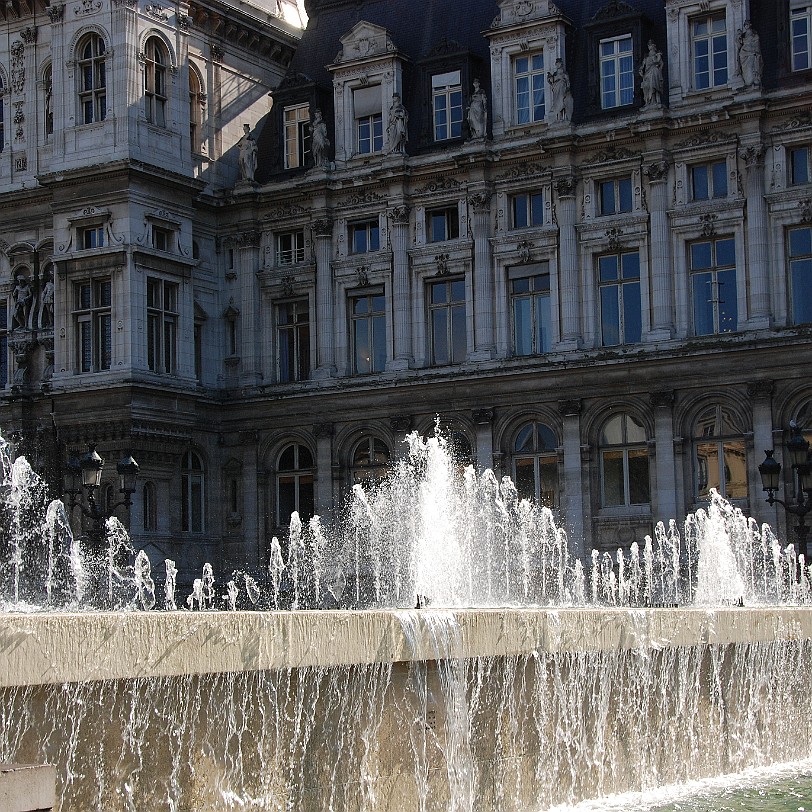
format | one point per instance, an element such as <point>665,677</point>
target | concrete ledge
<point>44,648</point>
<point>27,788</point>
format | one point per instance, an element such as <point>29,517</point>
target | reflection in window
<point>624,462</point>
<point>293,340</point>
<point>713,286</point>
<point>800,268</point>
<point>294,484</point>
<point>535,464</point>
<point>447,315</point>
<point>530,297</point>
<point>370,461</point>
<point>619,284</point>
<point>719,455</point>
<point>368,320</point>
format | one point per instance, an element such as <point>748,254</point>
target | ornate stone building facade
<point>578,234</point>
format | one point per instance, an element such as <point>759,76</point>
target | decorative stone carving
<point>323,430</point>
<point>482,417</point>
<point>651,76</point>
<point>441,261</point>
<point>561,101</point>
<point>656,171</point>
<point>247,147</point>
<point>615,8</point>
<point>19,120</point>
<point>706,137</point>
<point>362,275</point>
<point>565,186</point>
<point>806,210</point>
<point>752,156</point>
<point>524,170</point>
<point>615,237</point>
<point>477,113</point>
<point>323,227</point>
<point>23,295</point>
<point>285,212</point>
<point>749,63</point>
<point>708,224</point>
<point>613,154</point>
<point>29,35</point>
<point>156,11</point>
<point>439,185</point>
<point>56,13</point>
<point>480,201</point>
<point>184,21</point>
<point>17,67</point>
<point>760,389</point>
<point>397,129</point>
<point>662,400</point>
<point>362,198</point>
<point>400,214</point>
<point>525,249</point>
<point>247,239</point>
<point>217,53</point>
<point>569,408</point>
<point>401,423</point>
<point>288,286</point>
<point>87,7</point>
<point>319,142</point>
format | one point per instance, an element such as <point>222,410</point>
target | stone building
<point>577,234</point>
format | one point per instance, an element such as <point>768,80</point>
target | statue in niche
<point>248,154</point>
<point>319,142</point>
<point>46,304</point>
<point>397,128</point>
<point>651,74</point>
<point>478,112</point>
<point>561,101</point>
<point>750,62</point>
<point>23,300</point>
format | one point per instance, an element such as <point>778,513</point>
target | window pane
<point>526,478</point>
<point>439,332</point>
<point>612,432</point>
<point>720,180</point>
<point>728,310</point>
<point>703,304</point>
<point>735,470</point>
<point>363,359</point>
<point>800,242</point>
<point>801,291</point>
<point>610,316</point>
<point>707,459</point>
<point>543,322</point>
<point>699,177</point>
<point>701,256</point>
<point>613,486</point>
<point>632,319</point>
<point>638,477</point>
<point>458,334</point>
<point>523,326</point>
<point>625,193</point>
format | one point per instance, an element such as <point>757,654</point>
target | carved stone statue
<point>561,101</point>
<point>651,74</point>
<point>46,301</point>
<point>23,300</point>
<point>248,154</point>
<point>750,62</point>
<point>397,128</point>
<point>478,112</point>
<point>319,142</point>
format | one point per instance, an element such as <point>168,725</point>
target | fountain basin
<point>45,648</point>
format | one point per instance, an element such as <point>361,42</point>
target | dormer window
<point>297,135</point>
<point>446,92</point>
<point>709,51</point>
<point>529,79</point>
<point>368,120</point>
<point>161,238</point>
<point>92,237</point>
<point>617,71</point>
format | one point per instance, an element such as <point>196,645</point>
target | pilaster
<point>325,344</point>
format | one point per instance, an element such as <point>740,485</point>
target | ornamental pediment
<point>365,40</point>
<point>517,12</point>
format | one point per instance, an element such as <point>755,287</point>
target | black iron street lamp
<point>801,461</point>
<point>83,475</point>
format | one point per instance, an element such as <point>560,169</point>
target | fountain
<point>531,678</point>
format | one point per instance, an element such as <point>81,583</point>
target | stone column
<point>757,240</point>
<point>401,298</point>
<point>568,266</point>
<point>60,80</point>
<point>325,343</point>
<point>484,346</point>
<point>323,490</point>
<point>246,262</point>
<point>32,115</point>
<point>483,418</point>
<point>662,271</point>
<point>665,495</point>
<point>574,493</point>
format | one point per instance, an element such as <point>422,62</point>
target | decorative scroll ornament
<point>441,260</point>
<point>17,67</point>
<point>400,214</point>
<point>708,222</point>
<point>87,7</point>
<point>362,274</point>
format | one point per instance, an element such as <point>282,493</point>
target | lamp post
<point>83,475</point>
<point>801,462</point>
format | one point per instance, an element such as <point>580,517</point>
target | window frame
<point>541,323</point>
<point>711,181</point>
<point>797,11</point>
<point>156,93</point>
<point>193,509</point>
<point>536,106</point>
<point>300,477</point>
<point>539,455</point>
<point>714,82</point>
<point>377,468</point>
<point>713,270</point>
<point>92,320</point>
<point>627,449</point>
<point>299,364</point>
<point>800,263</point>
<point>197,97</point>
<point>373,321</point>
<point>532,209</point>
<point>450,92</point>
<point>615,59</point>
<point>91,237</point>
<point>371,229</point>
<point>4,342</point>
<point>628,294</point>
<point>794,166</point>
<point>726,441</point>
<point>92,78</point>
<point>163,317</point>
<point>293,255</point>
<point>296,135</point>
<point>449,217</point>
<point>455,326</point>
<point>621,203</point>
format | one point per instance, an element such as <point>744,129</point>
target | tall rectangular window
<point>290,248</point>
<point>3,343</point>
<point>800,269</point>
<point>709,181</point>
<point>799,166</point>
<point>709,51</point>
<point>527,209</point>
<point>93,80</point>
<point>617,71</point>
<point>198,348</point>
<point>293,341</point>
<point>529,79</point>
<point>801,36</point>
<point>530,301</point>
<point>368,325</point>
<point>446,95</point>
<point>92,320</point>
<point>365,237</point>
<point>368,119</point>
<point>713,286</point>
<point>162,325</point>
<point>615,196</point>
<point>442,224</point>
<point>447,316</point>
<point>619,288</point>
<point>297,135</point>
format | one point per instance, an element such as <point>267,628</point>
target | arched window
<point>195,113</point>
<point>624,462</point>
<point>294,484</point>
<point>48,85</point>
<point>192,493</point>
<point>92,79</point>
<point>149,507</point>
<point>719,455</point>
<point>535,464</point>
<point>155,62</point>
<point>370,461</point>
